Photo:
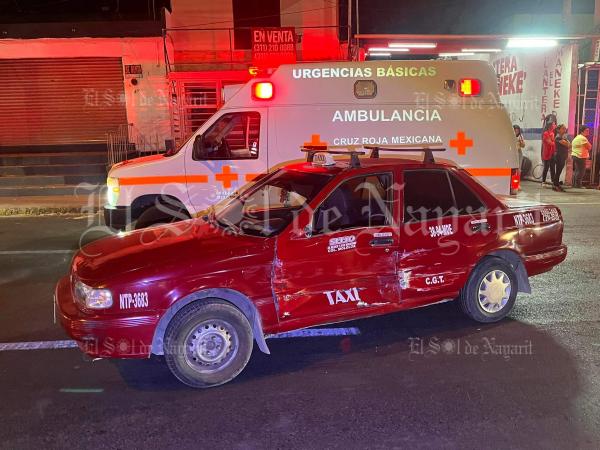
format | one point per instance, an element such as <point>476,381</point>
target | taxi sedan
<point>312,243</point>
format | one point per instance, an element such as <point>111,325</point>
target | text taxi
<point>312,243</point>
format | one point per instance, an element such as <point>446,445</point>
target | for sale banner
<point>273,46</point>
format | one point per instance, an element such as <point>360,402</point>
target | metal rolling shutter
<point>60,100</point>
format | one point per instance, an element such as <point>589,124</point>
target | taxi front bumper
<point>104,335</point>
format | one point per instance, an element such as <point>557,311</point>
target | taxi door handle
<point>479,227</point>
<point>379,242</point>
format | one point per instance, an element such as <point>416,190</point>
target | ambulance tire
<point>208,343</point>
<point>155,216</point>
<point>473,300</point>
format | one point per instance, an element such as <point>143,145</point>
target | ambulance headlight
<point>91,298</point>
<point>112,190</point>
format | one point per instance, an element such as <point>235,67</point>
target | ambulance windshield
<point>271,204</point>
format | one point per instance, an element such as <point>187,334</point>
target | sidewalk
<point>92,203</point>
<point>532,190</point>
<point>49,205</point>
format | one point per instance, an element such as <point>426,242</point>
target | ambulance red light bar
<point>263,90</point>
<point>469,87</point>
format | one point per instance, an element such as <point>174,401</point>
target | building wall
<point>199,32</point>
<point>146,103</point>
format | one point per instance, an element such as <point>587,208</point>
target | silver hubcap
<point>494,291</point>
<point>211,346</point>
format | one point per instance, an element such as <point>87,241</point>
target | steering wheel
<point>224,147</point>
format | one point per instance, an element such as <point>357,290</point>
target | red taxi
<point>312,243</point>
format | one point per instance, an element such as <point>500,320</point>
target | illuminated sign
<point>273,46</point>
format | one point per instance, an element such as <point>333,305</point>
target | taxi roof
<point>368,163</point>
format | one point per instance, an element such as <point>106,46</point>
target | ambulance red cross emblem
<point>461,143</point>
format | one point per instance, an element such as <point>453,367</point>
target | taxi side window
<point>364,201</point>
<point>431,194</point>
<point>427,195</point>
<point>467,201</point>
<point>233,136</point>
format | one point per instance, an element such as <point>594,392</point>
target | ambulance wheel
<point>208,343</point>
<point>490,292</point>
<point>159,215</point>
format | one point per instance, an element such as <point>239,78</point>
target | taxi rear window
<point>431,194</point>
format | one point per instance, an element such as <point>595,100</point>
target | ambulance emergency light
<point>469,87</point>
<point>263,90</point>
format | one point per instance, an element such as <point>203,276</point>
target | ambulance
<point>450,104</point>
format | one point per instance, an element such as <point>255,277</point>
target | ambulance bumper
<point>117,217</point>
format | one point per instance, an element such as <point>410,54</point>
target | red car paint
<point>293,280</point>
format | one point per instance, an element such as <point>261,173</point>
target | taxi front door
<point>345,268</point>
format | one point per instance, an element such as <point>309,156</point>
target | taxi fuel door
<point>341,263</point>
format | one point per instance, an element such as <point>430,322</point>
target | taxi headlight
<point>112,190</point>
<point>92,298</point>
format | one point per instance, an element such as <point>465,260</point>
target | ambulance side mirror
<point>198,149</point>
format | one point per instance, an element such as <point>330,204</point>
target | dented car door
<point>344,264</point>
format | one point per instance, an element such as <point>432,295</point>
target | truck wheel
<point>208,343</point>
<point>155,216</point>
<point>490,292</point>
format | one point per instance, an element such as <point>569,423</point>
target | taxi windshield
<point>267,207</point>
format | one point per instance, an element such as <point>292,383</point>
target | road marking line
<point>81,391</point>
<point>54,345</point>
<point>34,252</point>
<point>316,332</point>
<point>37,345</point>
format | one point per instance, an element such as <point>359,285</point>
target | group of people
<point>555,151</point>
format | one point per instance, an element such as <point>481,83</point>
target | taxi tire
<point>188,318</point>
<point>468,300</point>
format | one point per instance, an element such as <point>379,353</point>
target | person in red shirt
<point>548,152</point>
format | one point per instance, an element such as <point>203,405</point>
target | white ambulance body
<point>451,104</point>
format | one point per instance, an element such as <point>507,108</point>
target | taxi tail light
<point>515,181</point>
<point>262,90</point>
<point>469,87</point>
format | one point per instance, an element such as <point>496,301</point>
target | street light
<point>526,42</point>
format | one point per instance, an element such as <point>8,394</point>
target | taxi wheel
<point>208,343</point>
<point>490,292</point>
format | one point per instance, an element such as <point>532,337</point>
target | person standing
<point>560,156</point>
<point>520,144</point>
<point>548,151</point>
<point>580,152</point>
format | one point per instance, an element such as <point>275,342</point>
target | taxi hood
<point>191,247</point>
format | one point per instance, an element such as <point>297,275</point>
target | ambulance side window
<point>233,136</point>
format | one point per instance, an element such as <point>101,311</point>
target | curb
<point>8,211</point>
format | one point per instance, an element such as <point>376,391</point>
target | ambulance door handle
<point>379,242</point>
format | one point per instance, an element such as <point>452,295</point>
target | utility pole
<point>349,29</point>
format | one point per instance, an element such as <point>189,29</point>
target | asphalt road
<point>427,378</point>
